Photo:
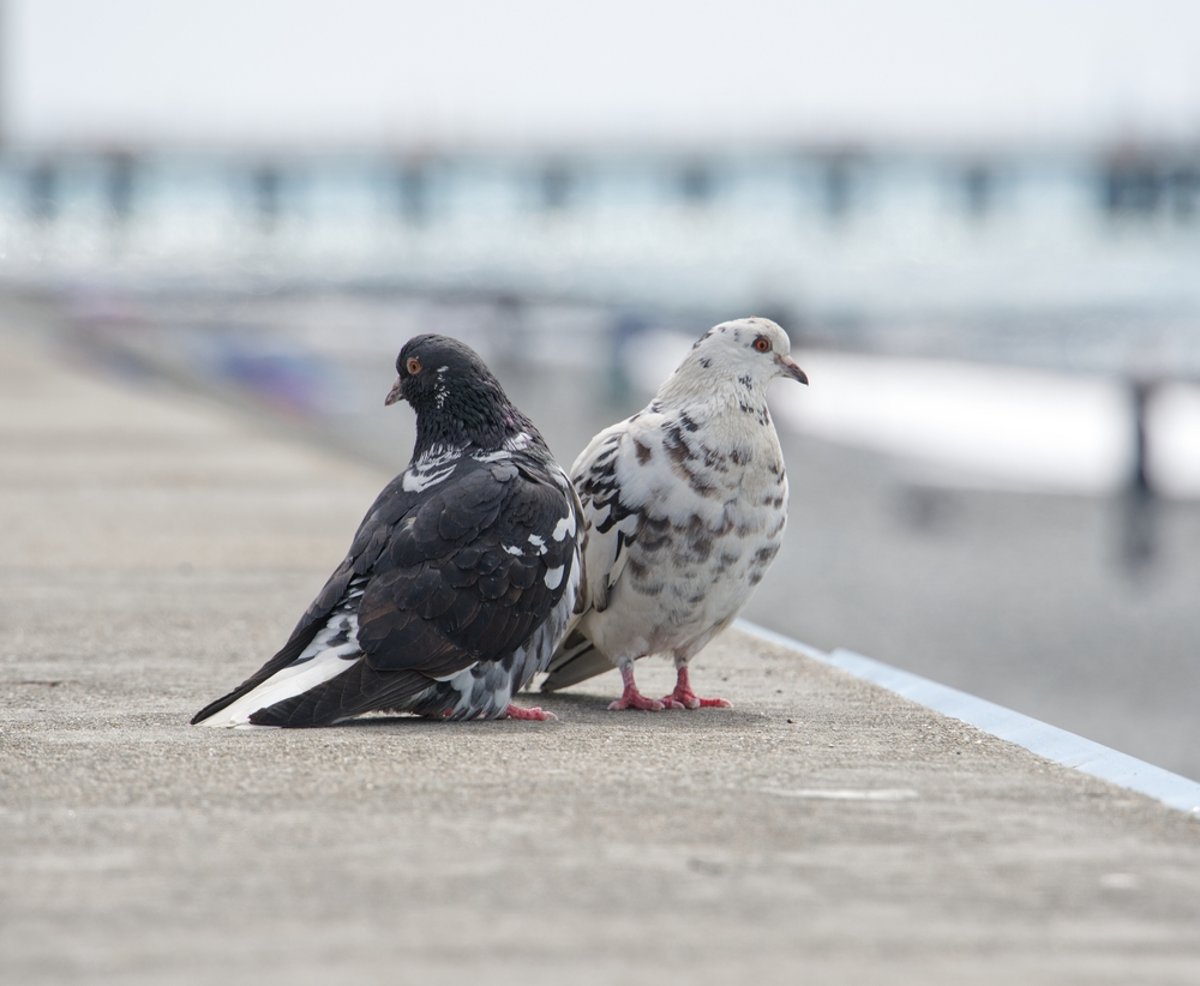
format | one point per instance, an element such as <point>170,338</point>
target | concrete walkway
<point>156,548</point>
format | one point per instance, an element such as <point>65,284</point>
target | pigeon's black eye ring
<point>413,365</point>
<point>762,344</point>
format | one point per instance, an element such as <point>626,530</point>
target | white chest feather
<point>708,501</point>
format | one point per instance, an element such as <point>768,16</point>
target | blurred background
<point>979,222</point>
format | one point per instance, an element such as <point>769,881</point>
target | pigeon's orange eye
<point>413,366</point>
<point>762,344</point>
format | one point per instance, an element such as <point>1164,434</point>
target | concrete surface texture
<point>156,548</point>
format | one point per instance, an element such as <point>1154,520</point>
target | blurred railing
<point>950,249</point>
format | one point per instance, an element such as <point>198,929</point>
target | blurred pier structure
<point>266,183</point>
<point>1079,260</point>
<point>1146,183</point>
<point>411,189</point>
<point>979,179</point>
<point>1139,542</point>
<point>121,190</point>
<point>42,190</point>
<point>1120,180</point>
<point>840,183</point>
<point>794,221</point>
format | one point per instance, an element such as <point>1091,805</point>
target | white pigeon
<point>684,506</point>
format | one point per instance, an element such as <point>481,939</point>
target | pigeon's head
<point>457,398</point>
<point>753,351</point>
<point>431,369</point>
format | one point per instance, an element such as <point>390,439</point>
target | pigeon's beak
<point>394,394</point>
<point>789,368</point>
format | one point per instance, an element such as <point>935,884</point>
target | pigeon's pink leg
<point>536,714</point>
<point>631,698</point>
<point>684,698</point>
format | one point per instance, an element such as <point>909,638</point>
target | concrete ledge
<point>1040,738</point>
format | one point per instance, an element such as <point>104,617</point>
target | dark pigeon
<point>461,580</point>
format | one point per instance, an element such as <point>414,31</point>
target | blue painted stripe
<point>1038,737</point>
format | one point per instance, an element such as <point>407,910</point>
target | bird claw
<point>681,699</point>
<point>684,698</point>
<point>536,714</point>
<point>633,699</point>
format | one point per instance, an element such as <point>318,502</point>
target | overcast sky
<point>516,71</point>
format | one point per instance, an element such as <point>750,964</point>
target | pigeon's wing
<point>471,573</point>
<point>614,496</point>
<point>467,575</point>
<point>614,476</point>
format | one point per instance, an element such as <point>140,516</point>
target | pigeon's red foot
<point>535,714</point>
<point>688,699</point>
<point>684,698</point>
<point>631,698</point>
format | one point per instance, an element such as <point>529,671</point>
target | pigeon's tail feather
<point>238,708</point>
<point>329,653</point>
<point>356,690</point>
<point>576,660</point>
<point>284,661</point>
